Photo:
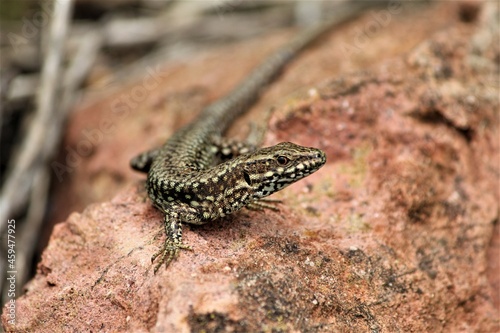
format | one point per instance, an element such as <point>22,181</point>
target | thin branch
<point>78,70</point>
<point>32,157</point>
<point>15,191</point>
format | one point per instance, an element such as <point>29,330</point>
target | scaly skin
<point>198,196</point>
<point>196,178</point>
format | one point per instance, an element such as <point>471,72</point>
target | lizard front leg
<point>173,241</point>
<point>226,149</point>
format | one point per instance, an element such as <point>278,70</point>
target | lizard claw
<point>167,253</point>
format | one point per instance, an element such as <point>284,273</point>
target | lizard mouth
<point>304,166</point>
<point>300,163</point>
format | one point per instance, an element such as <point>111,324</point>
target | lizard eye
<point>282,160</point>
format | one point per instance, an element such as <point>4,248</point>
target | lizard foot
<point>168,252</point>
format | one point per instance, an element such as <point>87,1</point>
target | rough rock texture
<point>395,234</point>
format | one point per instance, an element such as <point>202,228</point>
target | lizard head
<point>271,169</point>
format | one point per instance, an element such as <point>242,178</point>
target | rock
<point>391,235</point>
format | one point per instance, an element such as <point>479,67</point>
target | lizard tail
<point>224,111</point>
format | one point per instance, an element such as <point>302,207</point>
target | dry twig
<point>34,153</point>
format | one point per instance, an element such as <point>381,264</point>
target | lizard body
<point>195,178</point>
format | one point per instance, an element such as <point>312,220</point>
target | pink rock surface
<point>395,234</point>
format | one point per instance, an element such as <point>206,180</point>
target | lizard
<point>198,176</point>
